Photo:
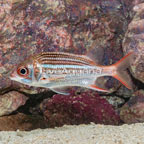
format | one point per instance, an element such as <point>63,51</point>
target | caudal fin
<point>121,72</point>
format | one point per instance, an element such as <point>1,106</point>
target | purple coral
<point>77,109</point>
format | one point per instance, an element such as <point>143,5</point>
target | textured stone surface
<point>133,110</point>
<point>77,109</point>
<point>77,26</point>
<point>10,101</point>
<point>29,27</point>
<point>21,122</point>
<point>134,41</point>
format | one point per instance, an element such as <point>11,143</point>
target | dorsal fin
<point>95,53</point>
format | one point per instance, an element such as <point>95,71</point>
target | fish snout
<point>13,75</point>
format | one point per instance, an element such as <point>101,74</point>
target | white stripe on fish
<point>58,70</point>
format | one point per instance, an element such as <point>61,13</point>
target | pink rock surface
<point>133,41</point>
<point>32,26</point>
<point>77,109</point>
<point>133,110</point>
<point>9,102</point>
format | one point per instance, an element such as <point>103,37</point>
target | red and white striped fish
<point>58,70</point>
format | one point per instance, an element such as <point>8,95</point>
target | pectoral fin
<point>61,90</point>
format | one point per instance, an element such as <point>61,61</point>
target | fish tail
<point>120,72</point>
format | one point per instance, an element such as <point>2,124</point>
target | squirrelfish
<point>58,71</point>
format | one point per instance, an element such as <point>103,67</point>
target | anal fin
<point>98,85</point>
<point>94,87</point>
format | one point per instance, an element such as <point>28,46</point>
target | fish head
<point>23,73</point>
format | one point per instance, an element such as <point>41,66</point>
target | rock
<point>21,122</point>
<point>78,109</point>
<point>115,101</point>
<point>133,110</point>
<point>28,27</point>
<point>133,41</point>
<point>10,101</point>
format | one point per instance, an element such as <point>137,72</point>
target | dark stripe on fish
<point>62,58</point>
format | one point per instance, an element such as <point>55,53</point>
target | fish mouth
<point>13,78</point>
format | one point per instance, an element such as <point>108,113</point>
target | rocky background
<point>111,28</point>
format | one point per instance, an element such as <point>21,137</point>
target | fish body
<point>58,70</point>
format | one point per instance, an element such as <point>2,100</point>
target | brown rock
<point>133,110</point>
<point>21,122</point>
<point>10,101</point>
<point>134,41</point>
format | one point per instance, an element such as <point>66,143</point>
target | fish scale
<point>59,70</point>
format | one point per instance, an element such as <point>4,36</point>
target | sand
<point>82,134</point>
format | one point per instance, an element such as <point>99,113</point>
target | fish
<point>59,71</point>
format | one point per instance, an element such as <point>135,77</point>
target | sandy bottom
<point>82,134</point>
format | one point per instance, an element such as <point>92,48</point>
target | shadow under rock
<point>26,117</point>
<point>32,104</point>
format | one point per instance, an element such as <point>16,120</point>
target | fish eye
<point>23,71</point>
